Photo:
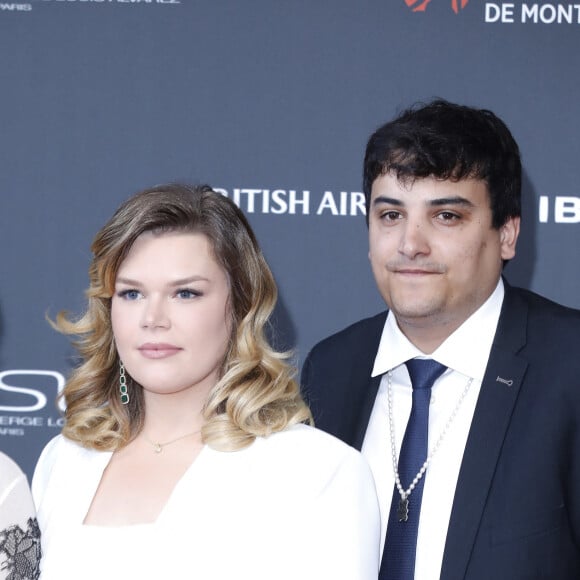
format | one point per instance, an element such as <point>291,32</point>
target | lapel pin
<point>507,382</point>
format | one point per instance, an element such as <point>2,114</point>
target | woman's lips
<point>158,350</point>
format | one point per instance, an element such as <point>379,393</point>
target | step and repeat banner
<point>271,102</point>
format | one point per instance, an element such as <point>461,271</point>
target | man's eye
<point>391,215</point>
<point>447,216</point>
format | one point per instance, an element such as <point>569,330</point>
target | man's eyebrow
<point>457,200</point>
<point>451,201</point>
<point>389,200</point>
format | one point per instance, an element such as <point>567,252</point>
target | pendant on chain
<point>403,511</point>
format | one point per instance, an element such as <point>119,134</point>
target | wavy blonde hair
<point>256,394</point>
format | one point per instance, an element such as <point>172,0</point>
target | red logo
<point>421,5</point>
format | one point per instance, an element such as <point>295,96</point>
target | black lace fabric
<point>20,552</point>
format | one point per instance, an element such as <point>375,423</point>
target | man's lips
<point>415,269</point>
<point>158,349</point>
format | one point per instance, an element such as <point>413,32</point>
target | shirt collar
<point>466,350</point>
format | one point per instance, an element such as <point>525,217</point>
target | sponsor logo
<point>27,400</point>
<point>514,12</point>
<point>27,6</point>
<point>296,202</point>
<point>114,1</point>
<point>15,7</point>
<point>532,13</point>
<point>421,5</point>
<point>560,209</point>
<point>17,394</point>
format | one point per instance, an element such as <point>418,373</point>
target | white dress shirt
<point>297,504</point>
<point>465,353</point>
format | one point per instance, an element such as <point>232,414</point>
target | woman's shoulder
<point>302,470</point>
<point>60,455</point>
<point>308,441</point>
<point>312,453</point>
<point>60,448</point>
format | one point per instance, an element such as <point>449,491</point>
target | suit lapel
<point>499,391</point>
<point>367,403</point>
<point>363,386</point>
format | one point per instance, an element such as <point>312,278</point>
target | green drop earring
<point>123,384</point>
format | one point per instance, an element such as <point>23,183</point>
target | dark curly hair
<point>448,141</point>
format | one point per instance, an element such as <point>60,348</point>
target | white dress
<point>19,535</point>
<point>298,504</point>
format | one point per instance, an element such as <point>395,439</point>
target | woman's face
<point>170,314</point>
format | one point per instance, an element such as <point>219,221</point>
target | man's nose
<point>414,238</point>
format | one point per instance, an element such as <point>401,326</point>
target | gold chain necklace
<point>158,447</point>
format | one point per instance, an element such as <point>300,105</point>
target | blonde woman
<point>187,450</point>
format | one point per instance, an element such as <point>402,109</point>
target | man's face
<point>434,254</point>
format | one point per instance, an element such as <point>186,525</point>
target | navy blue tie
<point>398,561</point>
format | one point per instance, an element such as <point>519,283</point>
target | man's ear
<point>509,233</point>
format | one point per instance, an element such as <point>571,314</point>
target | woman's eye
<point>186,293</point>
<point>129,294</point>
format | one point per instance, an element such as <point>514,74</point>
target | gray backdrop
<point>272,102</point>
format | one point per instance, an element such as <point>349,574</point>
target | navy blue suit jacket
<point>516,511</point>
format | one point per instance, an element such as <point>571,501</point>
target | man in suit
<point>495,493</point>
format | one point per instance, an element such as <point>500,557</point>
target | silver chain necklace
<point>158,447</point>
<point>403,509</point>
